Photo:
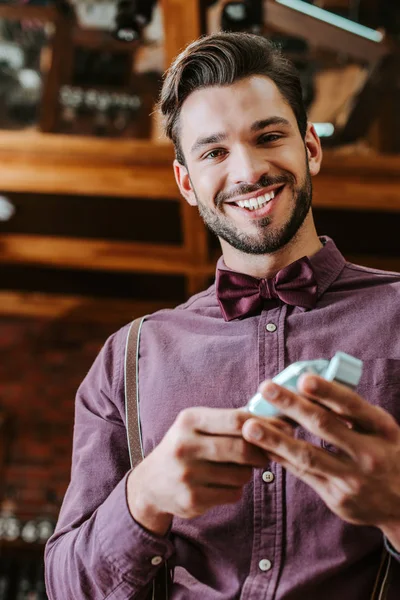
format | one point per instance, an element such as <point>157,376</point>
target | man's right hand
<point>202,461</point>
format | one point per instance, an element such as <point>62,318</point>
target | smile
<point>257,203</point>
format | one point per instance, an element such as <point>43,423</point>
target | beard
<point>267,240</point>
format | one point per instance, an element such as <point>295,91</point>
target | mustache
<point>245,188</point>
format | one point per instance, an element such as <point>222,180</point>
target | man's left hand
<point>361,481</point>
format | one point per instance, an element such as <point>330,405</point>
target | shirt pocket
<point>380,386</point>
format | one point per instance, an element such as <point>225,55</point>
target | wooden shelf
<point>359,164</point>
<point>49,148</point>
<point>56,164</point>
<point>75,308</point>
<point>18,12</point>
<point>84,178</point>
<point>98,255</point>
<point>349,182</point>
<point>59,164</point>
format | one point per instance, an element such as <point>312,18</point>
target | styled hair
<point>221,59</point>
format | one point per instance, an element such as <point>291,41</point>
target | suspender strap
<point>160,585</point>
<point>382,581</point>
<point>132,393</point>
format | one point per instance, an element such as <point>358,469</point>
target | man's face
<point>247,166</point>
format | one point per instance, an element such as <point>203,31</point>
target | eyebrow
<point>216,138</point>
<point>258,125</point>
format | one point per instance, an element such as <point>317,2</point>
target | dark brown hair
<point>221,59</point>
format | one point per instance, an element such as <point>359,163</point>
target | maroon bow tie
<point>239,294</point>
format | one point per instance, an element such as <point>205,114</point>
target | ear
<point>313,149</point>
<point>185,185</point>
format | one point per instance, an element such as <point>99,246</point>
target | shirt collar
<point>327,264</point>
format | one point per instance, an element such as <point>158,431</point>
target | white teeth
<point>256,202</point>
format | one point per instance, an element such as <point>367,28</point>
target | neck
<point>305,243</point>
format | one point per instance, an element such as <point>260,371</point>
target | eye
<point>267,138</point>
<point>214,154</point>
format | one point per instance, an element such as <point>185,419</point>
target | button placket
<point>269,486</point>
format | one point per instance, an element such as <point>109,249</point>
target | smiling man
<point>250,176</point>
<point>225,505</point>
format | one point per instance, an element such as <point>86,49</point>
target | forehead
<point>232,108</point>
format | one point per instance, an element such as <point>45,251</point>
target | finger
<point>219,449</point>
<point>217,474</point>
<point>317,419</point>
<point>332,490</point>
<point>314,480</point>
<point>349,405</point>
<point>213,421</point>
<point>303,457</point>
<point>220,421</point>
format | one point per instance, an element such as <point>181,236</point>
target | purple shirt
<point>279,541</point>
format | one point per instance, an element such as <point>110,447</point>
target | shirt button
<point>268,477</point>
<point>265,564</point>
<point>156,560</point>
<point>271,327</point>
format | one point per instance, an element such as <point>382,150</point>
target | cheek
<point>209,184</point>
<point>287,157</point>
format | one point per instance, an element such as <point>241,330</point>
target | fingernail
<point>309,383</point>
<point>270,391</point>
<point>254,432</point>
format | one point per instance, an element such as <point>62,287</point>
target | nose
<point>248,165</point>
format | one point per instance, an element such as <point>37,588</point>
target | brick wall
<point>42,363</point>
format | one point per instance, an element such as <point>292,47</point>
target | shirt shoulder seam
<point>191,301</point>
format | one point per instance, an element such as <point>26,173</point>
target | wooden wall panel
<point>182,24</point>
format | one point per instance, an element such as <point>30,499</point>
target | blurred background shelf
<point>40,163</point>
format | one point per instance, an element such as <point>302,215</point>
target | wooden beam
<point>75,308</point>
<point>356,193</point>
<point>196,244</point>
<point>97,255</point>
<point>182,24</point>
<point>59,73</point>
<point>347,162</point>
<point>61,148</point>
<point>28,11</point>
<point>33,175</point>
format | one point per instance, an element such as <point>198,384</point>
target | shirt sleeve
<point>98,550</point>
